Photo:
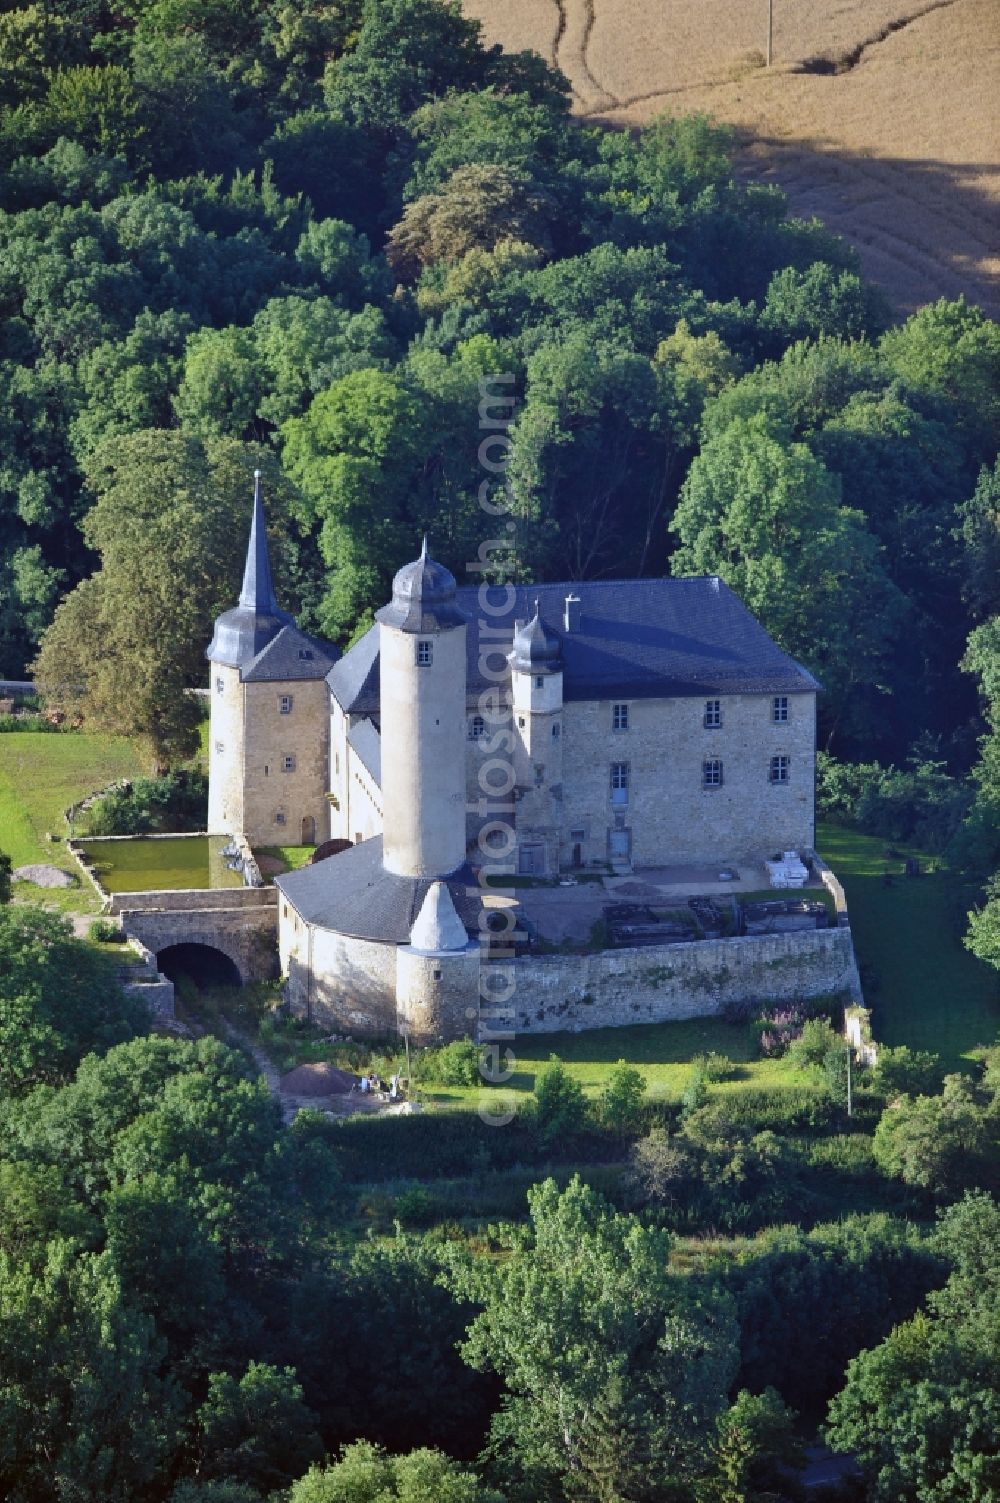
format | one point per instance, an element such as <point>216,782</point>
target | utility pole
<point>770,28</point>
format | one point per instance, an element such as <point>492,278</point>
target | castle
<point>606,726</point>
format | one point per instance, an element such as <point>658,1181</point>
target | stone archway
<point>205,965</point>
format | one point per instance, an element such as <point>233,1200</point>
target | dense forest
<point>296,235</point>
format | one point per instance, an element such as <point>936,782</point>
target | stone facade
<point>345,982</point>
<point>563,807</point>
<point>667,812</point>
<point>269,759</point>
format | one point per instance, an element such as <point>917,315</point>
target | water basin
<point>158,863</point>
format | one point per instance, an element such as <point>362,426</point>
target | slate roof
<point>353,894</point>
<point>367,742</point>
<point>243,632</point>
<point>637,639</point>
<point>423,597</point>
<point>354,680</point>
<point>290,656</point>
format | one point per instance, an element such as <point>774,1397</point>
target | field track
<point>882,117</point>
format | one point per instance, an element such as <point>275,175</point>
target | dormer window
<point>306,654</point>
<point>425,653</point>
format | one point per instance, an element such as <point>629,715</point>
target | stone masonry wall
<point>276,800</point>
<point>671,815</point>
<point>346,983</point>
<point>660,983</point>
<point>245,934</point>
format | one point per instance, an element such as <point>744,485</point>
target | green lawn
<point>662,1051</point>
<point>293,856</point>
<point>928,991</point>
<point>40,775</point>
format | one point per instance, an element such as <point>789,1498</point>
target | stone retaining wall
<point>661,983</point>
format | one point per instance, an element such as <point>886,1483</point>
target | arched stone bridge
<point>240,923</point>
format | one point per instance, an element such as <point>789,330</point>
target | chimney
<point>571,613</point>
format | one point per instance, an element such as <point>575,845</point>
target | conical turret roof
<point>437,926</point>
<point>240,634</point>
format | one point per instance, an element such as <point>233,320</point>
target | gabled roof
<point>353,894</point>
<point>366,741</point>
<point>290,656</point>
<point>635,638</point>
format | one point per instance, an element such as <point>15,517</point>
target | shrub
<point>758,1109</point>
<point>695,1092</point>
<point>454,1064</point>
<point>620,1107</point>
<point>907,1072</point>
<point>103,931</point>
<point>714,1066</point>
<point>174,803</point>
<point>414,1206</point>
<point>835,1066</point>
<point>814,1043</point>
<point>560,1105</point>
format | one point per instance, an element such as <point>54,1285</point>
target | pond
<point>160,863</point>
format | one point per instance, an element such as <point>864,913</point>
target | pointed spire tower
<point>240,634</point>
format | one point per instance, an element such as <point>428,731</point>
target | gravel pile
<point>318,1080</point>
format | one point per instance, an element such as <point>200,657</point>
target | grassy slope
<point>40,775</point>
<point>928,992</point>
<point>662,1051</point>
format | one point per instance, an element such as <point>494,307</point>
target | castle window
<point>713,714</point>
<point>477,728</point>
<point>711,773</point>
<point>556,731</point>
<point>779,709</point>
<point>779,770</point>
<point>284,704</point>
<point>619,784</point>
<point>520,721</point>
<point>425,654</point>
<point>279,818</point>
<point>288,763</point>
<point>539,681</point>
<point>220,746</point>
<point>437,975</point>
<point>619,717</point>
<point>220,686</point>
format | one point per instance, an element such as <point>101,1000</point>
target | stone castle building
<point>611,725</point>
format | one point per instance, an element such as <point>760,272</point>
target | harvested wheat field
<point>882,117</point>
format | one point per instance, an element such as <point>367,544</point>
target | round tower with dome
<point>422,657</point>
